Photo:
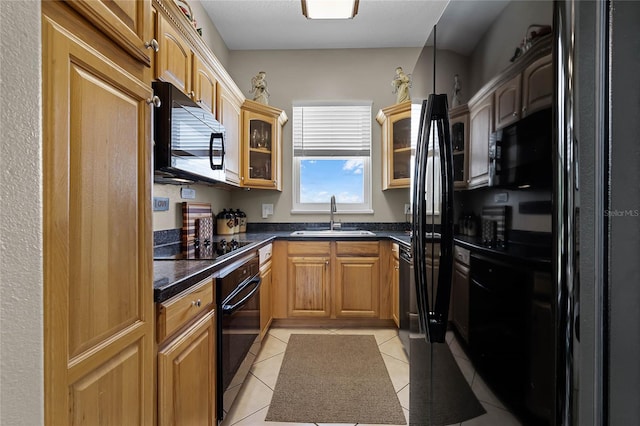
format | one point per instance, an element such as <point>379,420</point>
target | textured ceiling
<point>279,24</point>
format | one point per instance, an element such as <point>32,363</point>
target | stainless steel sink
<point>332,233</point>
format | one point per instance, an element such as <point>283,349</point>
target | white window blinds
<point>331,131</point>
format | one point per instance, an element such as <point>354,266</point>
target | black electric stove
<point>206,250</point>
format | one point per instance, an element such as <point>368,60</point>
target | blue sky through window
<point>322,178</point>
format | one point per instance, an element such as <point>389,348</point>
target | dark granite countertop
<point>171,277</point>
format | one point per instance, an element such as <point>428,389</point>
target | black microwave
<point>520,155</point>
<point>189,141</point>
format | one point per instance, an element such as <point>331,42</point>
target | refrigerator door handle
<point>435,113</point>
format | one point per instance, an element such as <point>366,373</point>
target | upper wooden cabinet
<point>174,59</point>
<point>97,253</point>
<point>524,94</point>
<point>185,61</point>
<point>459,123</point>
<point>507,100</point>
<point>126,22</point>
<point>204,85</point>
<point>396,145</point>
<point>262,145</point>
<point>481,124</point>
<point>537,86</point>
<point>229,114</point>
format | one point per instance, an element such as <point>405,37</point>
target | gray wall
<point>210,34</point>
<point>448,64</point>
<point>21,316</point>
<point>497,46</point>
<point>328,75</point>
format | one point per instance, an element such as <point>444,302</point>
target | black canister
<point>242,217</point>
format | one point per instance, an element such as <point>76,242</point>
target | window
<point>332,156</point>
<point>433,197</point>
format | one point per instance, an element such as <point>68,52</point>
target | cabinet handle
<point>155,101</point>
<point>153,44</point>
<point>196,303</point>
<point>524,110</point>
<point>192,94</point>
<point>275,183</point>
<point>515,114</point>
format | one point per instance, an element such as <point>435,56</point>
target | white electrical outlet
<point>407,209</point>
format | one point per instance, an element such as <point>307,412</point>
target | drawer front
<point>357,248</point>
<point>309,248</point>
<point>461,255</point>
<point>265,253</point>
<point>183,308</point>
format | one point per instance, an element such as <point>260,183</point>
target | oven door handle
<point>229,309</point>
<point>485,288</point>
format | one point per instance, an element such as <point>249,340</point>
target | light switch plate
<point>407,209</point>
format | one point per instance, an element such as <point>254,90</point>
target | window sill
<point>326,211</point>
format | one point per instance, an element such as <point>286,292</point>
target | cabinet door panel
<point>97,231</point>
<point>460,296</point>
<point>174,57</point>
<point>125,21</point>
<point>308,286</point>
<point>93,398</point>
<point>537,86</point>
<point>229,115</point>
<point>481,128</point>
<point>265,298</point>
<point>357,286</point>
<point>507,102</point>
<point>205,85</point>
<point>186,376</point>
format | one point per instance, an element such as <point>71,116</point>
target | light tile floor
<point>252,403</point>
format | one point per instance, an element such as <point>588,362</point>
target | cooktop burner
<point>206,250</point>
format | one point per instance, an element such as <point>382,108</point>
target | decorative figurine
<point>455,99</point>
<point>259,88</point>
<point>401,83</point>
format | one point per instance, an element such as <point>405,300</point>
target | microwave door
<point>192,142</point>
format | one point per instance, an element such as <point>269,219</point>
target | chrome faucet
<point>332,210</point>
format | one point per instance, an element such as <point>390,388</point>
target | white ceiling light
<point>329,9</point>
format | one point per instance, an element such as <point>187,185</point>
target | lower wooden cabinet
<point>460,292</point>
<point>187,376</point>
<point>308,279</point>
<point>395,284</point>
<point>339,279</point>
<point>357,279</point>
<point>266,275</point>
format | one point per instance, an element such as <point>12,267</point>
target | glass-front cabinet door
<point>260,149</point>
<point>262,145</point>
<point>459,121</point>
<point>396,145</point>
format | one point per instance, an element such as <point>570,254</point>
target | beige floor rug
<point>334,379</point>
